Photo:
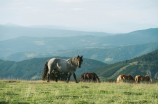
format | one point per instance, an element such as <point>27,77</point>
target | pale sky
<point>113,16</point>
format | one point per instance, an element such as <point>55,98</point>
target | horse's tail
<point>137,79</point>
<point>45,71</point>
<point>119,78</point>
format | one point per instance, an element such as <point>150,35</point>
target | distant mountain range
<point>106,55</point>
<point>15,31</point>
<point>100,46</point>
<point>143,65</point>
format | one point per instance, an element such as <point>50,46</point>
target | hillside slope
<point>33,68</point>
<point>143,65</point>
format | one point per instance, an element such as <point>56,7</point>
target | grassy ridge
<point>37,92</point>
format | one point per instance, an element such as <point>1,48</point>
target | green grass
<point>39,92</point>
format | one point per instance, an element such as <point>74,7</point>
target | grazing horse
<point>84,77</point>
<point>126,78</point>
<point>94,77</point>
<point>56,64</point>
<point>89,77</point>
<point>145,78</point>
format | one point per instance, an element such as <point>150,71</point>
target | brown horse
<point>140,78</point>
<point>84,77</point>
<point>94,77</point>
<point>125,78</point>
<point>89,77</point>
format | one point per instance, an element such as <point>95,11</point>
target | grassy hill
<point>143,65</point>
<point>33,68</point>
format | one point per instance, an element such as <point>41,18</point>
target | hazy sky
<point>113,16</point>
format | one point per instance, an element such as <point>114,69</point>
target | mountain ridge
<point>10,31</point>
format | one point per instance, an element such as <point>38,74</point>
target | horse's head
<point>79,61</point>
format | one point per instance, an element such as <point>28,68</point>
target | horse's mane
<point>73,60</point>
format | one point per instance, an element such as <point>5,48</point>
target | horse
<point>84,77</point>
<point>62,65</point>
<point>145,78</point>
<point>126,78</point>
<point>94,77</point>
<point>89,77</point>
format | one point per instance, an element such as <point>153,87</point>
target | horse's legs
<point>75,77</point>
<point>56,79</point>
<point>68,78</point>
<point>48,77</point>
<point>56,75</point>
<point>48,74</point>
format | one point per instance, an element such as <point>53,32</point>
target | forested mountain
<point>33,68</point>
<point>143,65</point>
